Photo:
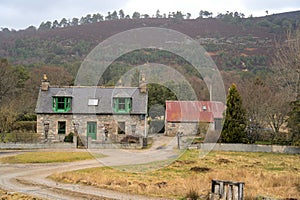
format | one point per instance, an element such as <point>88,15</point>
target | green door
<point>92,130</point>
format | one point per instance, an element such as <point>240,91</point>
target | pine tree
<point>234,129</point>
<point>294,121</point>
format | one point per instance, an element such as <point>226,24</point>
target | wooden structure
<point>227,190</point>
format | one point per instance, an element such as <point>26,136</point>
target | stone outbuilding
<point>99,113</point>
<point>185,116</point>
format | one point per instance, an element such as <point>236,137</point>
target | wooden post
<point>179,134</point>
<point>227,190</point>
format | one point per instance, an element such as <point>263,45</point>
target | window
<point>93,102</point>
<point>121,127</point>
<point>122,105</point>
<point>133,129</point>
<point>61,104</point>
<point>61,128</point>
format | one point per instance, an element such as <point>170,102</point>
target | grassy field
<point>48,157</point>
<point>264,174</point>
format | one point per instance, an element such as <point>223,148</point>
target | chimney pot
<point>45,83</point>
<point>143,84</point>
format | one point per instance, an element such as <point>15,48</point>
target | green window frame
<point>61,127</point>
<point>61,104</point>
<point>122,105</point>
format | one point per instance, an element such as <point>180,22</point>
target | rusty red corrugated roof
<point>193,111</point>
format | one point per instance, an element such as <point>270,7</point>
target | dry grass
<point>4,195</point>
<point>274,175</point>
<point>47,157</point>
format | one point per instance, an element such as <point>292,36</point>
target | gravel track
<point>32,179</point>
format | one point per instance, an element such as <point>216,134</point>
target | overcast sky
<point>19,14</point>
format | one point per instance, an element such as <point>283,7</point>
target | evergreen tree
<point>75,21</point>
<point>294,121</point>
<point>234,129</point>
<point>55,24</point>
<point>136,15</point>
<point>114,15</point>
<point>121,14</point>
<point>63,22</point>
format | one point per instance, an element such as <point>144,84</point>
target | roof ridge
<point>102,87</point>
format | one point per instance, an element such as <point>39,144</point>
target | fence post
<point>179,135</point>
<point>227,190</point>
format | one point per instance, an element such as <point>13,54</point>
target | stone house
<point>99,113</point>
<point>185,116</point>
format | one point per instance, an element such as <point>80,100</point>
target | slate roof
<point>81,95</point>
<point>194,111</point>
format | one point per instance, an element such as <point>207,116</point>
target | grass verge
<point>266,174</point>
<point>4,195</point>
<point>48,157</point>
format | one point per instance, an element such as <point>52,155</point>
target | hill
<point>70,44</point>
<point>236,44</point>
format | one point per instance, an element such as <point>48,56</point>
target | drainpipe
<point>145,133</point>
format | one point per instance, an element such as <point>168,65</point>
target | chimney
<point>45,83</point>
<point>143,84</point>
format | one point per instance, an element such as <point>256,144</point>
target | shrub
<point>23,137</point>
<point>27,117</point>
<point>192,195</point>
<point>29,126</point>
<point>69,137</point>
<point>202,128</point>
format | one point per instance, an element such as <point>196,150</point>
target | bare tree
<point>255,94</point>
<point>8,81</point>
<point>265,106</point>
<point>287,78</point>
<point>277,109</point>
<point>287,65</point>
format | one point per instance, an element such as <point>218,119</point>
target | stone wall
<point>172,128</point>
<point>94,144</point>
<point>248,148</point>
<point>37,146</point>
<point>78,123</point>
<point>53,120</point>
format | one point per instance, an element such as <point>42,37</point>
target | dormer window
<point>122,105</point>
<point>61,104</point>
<point>204,108</point>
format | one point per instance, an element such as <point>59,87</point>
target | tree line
<point>273,103</point>
<point>120,15</point>
<point>93,18</point>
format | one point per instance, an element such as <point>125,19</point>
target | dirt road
<point>31,178</point>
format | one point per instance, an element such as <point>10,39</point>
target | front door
<point>92,130</point>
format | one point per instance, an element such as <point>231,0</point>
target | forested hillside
<point>243,49</point>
